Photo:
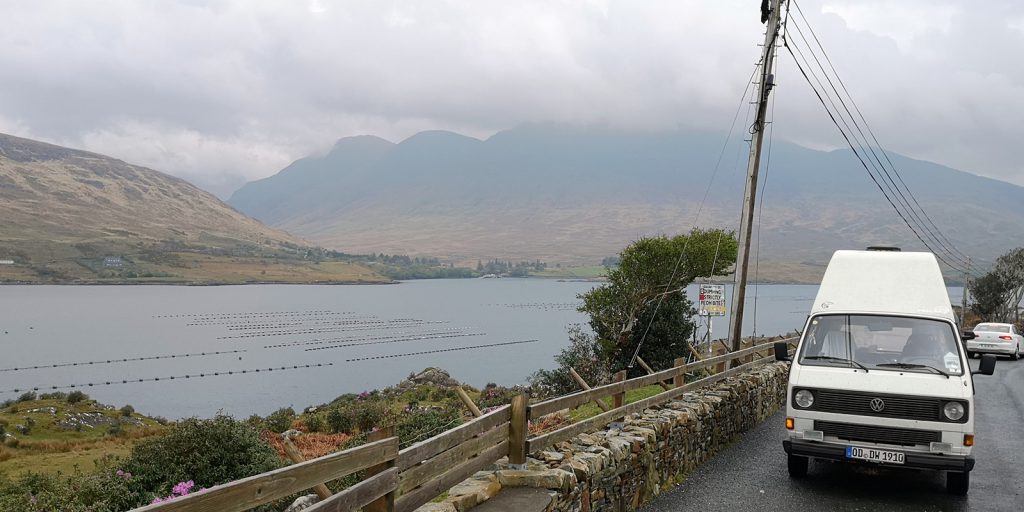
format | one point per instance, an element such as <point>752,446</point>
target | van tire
<point>797,466</point>
<point>957,483</point>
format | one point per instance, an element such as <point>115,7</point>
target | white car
<point>1000,339</point>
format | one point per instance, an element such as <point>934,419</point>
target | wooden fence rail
<point>404,480</point>
<point>249,493</point>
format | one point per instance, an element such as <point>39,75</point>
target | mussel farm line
<point>440,350</point>
<point>123,360</point>
<point>173,377</point>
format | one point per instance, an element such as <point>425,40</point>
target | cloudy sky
<point>220,92</point>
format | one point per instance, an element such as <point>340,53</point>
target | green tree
<point>988,295</point>
<point>645,298</point>
<point>582,356</point>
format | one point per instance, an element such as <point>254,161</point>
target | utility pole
<point>963,300</point>
<point>764,86</point>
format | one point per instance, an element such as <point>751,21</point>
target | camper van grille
<point>873,434</point>
<point>905,407</point>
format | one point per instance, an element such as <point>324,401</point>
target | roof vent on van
<point>884,248</point>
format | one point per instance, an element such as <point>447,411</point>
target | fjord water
<point>48,325</point>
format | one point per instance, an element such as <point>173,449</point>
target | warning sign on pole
<point>712,300</point>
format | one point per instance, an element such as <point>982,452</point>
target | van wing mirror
<point>782,351</point>
<point>987,365</point>
<point>968,335</point>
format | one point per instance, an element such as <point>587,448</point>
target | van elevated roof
<point>896,283</point>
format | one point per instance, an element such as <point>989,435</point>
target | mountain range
<point>576,195</point>
<point>71,215</point>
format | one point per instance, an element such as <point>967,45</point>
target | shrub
<point>3,431</point>
<point>127,411</point>
<point>442,394</point>
<point>104,489</point>
<point>415,426</point>
<point>27,396</point>
<point>315,422</point>
<point>12,442</point>
<point>280,420</point>
<point>209,452</point>
<point>370,414</point>
<point>56,395</point>
<point>421,394</point>
<point>495,396</point>
<point>77,396</point>
<point>115,429</point>
<point>255,421</point>
<point>339,421</point>
<point>582,356</point>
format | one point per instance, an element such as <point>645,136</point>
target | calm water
<point>390,330</point>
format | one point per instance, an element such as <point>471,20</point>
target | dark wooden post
<point>385,503</point>
<point>680,380</point>
<point>619,399</point>
<point>518,430</point>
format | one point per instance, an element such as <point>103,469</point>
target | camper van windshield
<point>882,343</point>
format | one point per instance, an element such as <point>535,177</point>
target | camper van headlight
<point>803,398</point>
<point>953,410</point>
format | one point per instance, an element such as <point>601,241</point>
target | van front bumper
<point>914,460</point>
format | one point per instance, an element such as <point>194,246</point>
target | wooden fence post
<point>680,380</point>
<point>619,399</point>
<point>385,503</point>
<point>518,430</point>
<point>647,368</point>
<point>583,384</point>
<point>473,409</point>
<point>296,456</point>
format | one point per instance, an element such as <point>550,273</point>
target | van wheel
<point>797,466</point>
<point>958,483</point>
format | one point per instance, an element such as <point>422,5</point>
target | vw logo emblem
<point>877,405</point>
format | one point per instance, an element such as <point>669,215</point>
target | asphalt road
<point>751,474</point>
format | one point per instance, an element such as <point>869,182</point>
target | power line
<point>887,180</point>
<point>911,212</point>
<point>861,115</point>
<point>832,116</point>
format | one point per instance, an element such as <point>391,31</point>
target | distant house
<point>113,261</point>
<point>6,262</point>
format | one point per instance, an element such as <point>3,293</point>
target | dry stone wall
<point>621,469</point>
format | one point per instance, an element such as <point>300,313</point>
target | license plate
<point>873,455</point>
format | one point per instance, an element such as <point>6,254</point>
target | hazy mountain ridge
<point>577,195</point>
<point>66,210</point>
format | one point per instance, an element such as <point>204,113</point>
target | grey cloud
<point>220,91</point>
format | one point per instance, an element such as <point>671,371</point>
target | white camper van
<point>881,374</point>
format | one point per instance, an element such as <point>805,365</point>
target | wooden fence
<point>406,479</point>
